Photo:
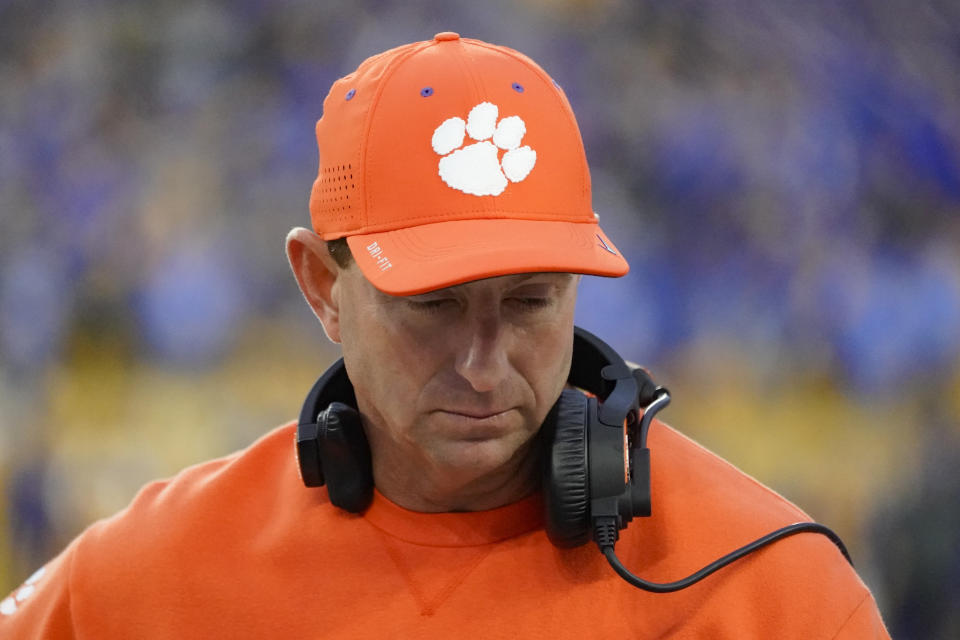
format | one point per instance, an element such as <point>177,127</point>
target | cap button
<point>446,35</point>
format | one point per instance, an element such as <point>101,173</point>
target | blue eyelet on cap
<point>350,94</point>
<point>426,92</point>
<point>517,87</point>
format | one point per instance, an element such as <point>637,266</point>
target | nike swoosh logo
<point>605,245</point>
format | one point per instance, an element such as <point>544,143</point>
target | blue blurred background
<point>783,177</point>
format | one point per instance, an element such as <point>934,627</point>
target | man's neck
<point>434,490</point>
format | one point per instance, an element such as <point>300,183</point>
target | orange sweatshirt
<point>238,548</point>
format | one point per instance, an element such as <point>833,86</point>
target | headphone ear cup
<point>345,457</point>
<point>566,476</point>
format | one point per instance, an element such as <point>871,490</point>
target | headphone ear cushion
<point>345,456</point>
<point>565,481</point>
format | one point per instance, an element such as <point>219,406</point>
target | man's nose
<point>482,358</point>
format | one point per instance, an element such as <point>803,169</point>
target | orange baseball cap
<point>452,160</point>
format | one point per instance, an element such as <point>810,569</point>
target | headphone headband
<point>333,386</point>
<point>600,370</point>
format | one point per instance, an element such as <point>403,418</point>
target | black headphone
<point>596,464</point>
<point>587,470</point>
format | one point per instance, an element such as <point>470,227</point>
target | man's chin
<point>481,457</point>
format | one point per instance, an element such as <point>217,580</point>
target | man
<point>451,223</point>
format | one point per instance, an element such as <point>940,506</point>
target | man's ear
<point>317,274</point>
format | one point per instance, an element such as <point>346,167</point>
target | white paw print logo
<point>478,169</point>
<point>10,605</point>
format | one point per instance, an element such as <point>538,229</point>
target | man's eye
<point>531,303</point>
<point>432,305</point>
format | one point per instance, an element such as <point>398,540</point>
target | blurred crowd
<point>784,179</point>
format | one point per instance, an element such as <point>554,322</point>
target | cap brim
<point>432,256</point>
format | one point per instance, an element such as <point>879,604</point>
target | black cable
<point>605,534</point>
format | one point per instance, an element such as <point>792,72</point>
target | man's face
<point>453,384</point>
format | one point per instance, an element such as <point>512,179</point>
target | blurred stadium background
<point>784,177</point>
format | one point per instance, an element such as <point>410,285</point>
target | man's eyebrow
<point>520,278</point>
<point>527,276</point>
